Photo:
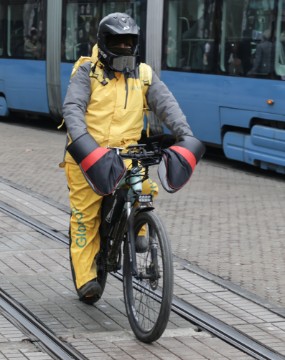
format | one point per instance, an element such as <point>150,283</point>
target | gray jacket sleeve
<point>76,101</point>
<point>161,101</point>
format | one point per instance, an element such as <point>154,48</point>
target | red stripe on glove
<point>93,157</point>
<point>187,154</point>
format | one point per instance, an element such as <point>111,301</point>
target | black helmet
<point>115,29</point>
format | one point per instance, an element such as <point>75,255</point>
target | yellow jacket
<point>113,105</point>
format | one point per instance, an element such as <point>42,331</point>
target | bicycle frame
<point>133,196</point>
<point>148,274</point>
<point>119,221</point>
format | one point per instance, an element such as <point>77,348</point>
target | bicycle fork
<point>131,236</point>
<point>152,271</point>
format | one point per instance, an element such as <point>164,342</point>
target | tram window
<point>81,20</point>
<point>26,29</point>
<point>280,42</point>
<point>248,38</point>
<point>80,23</point>
<point>136,9</point>
<point>190,35</point>
<point>1,30</point>
<point>131,8</point>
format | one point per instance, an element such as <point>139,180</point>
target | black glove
<point>193,145</point>
<point>162,141</point>
<point>179,161</point>
<point>102,167</point>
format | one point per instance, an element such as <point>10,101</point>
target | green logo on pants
<point>81,228</point>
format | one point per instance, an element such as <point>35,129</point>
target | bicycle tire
<point>148,302</point>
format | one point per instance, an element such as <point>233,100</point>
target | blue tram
<point>224,60</point>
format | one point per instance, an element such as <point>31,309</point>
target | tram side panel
<point>22,57</point>
<point>232,98</point>
<point>23,86</point>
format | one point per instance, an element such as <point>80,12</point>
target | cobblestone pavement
<point>35,270</point>
<point>228,219</point>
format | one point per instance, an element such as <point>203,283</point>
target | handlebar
<point>138,152</point>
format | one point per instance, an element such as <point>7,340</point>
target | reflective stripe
<point>187,154</point>
<point>93,157</point>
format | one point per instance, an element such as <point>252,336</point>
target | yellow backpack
<point>144,69</point>
<point>145,77</point>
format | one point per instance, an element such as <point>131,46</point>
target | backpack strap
<point>97,72</point>
<point>82,60</point>
<point>146,79</point>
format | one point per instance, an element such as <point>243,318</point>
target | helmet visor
<point>121,63</point>
<point>122,44</point>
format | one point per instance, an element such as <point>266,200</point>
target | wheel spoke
<point>148,296</point>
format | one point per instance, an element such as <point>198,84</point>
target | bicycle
<point>148,275</point>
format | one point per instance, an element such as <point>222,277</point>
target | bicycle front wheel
<point>148,294</point>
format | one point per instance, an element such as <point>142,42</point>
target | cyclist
<point>104,107</point>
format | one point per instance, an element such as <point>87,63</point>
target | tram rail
<point>49,341</point>
<point>187,311</point>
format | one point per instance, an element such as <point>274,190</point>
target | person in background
<point>104,107</point>
<point>264,56</point>
<point>32,45</point>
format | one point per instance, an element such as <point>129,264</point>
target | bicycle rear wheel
<point>148,296</point>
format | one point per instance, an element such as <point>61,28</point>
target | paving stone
<point>227,221</point>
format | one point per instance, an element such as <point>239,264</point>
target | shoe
<point>90,292</point>
<point>141,244</point>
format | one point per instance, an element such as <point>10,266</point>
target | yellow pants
<point>85,220</point>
